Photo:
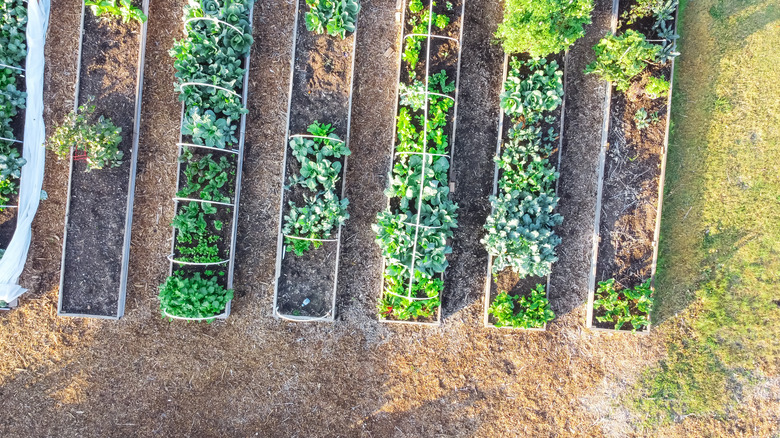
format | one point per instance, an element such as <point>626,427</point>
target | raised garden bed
<point>313,207</point>
<point>212,62</point>
<point>99,211</point>
<point>413,231</point>
<point>546,161</point>
<point>632,164</point>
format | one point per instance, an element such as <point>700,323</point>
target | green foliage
<point>619,59</point>
<point>528,97</point>
<point>13,19</point>
<point>542,27</point>
<point>423,301</point>
<point>194,296</point>
<point>117,8</point>
<point>522,312</point>
<point>419,191</point>
<point>13,22</point>
<point>336,17</point>
<point>520,228</point>
<point>205,128</point>
<point>657,87</point>
<point>322,211</point>
<point>99,139</point>
<point>420,19</point>
<point>196,238</point>
<point>206,177</point>
<point>625,306</point>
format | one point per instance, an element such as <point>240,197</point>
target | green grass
<point>718,283</point>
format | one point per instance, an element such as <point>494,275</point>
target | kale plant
<point>542,27</point>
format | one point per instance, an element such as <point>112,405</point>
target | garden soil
<point>629,207</point>
<point>321,92</point>
<point>98,206</point>
<point>253,375</point>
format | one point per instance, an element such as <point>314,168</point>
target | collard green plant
<point>99,140</point>
<point>529,96</point>
<point>542,27</point>
<point>531,311</point>
<point>336,17</point>
<point>124,9</point>
<point>194,295</point>
<point>625,306</point>
<point>619,59</point>
<point>322,211</point>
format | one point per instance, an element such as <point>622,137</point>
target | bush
<point>522,312</point>
<point>542,27</point>
<point>619,59</point>
<point>100,140</point>
<point>194,296</point>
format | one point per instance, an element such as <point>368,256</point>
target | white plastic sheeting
<point>12,263</point>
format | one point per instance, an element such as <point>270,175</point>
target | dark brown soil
<point>631,175</point>
<point>98,202</point>
<point>473,167</point>
<point>321,89</point>
<point>579,169</point>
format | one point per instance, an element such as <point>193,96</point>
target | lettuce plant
<point>124,9</point>
<point>532,311</point>
<point>194,295</point>
<point>336,17</point>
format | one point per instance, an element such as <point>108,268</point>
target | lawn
<point>719,263</point>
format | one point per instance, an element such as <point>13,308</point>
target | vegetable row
<point>209,64</point>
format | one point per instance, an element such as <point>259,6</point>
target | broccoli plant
<point>322,212</point>
<point>542,27</point>
<point>532,311</point>
<point>619,59</point>
<point>336,17</point>
<point>99,140</point>
<point>625,306</point>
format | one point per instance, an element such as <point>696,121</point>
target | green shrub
<point>619,59</point>
<point>624,306</point>
<point>521,312</point>
<point>542,27</point>
<point>194,296</point>
<point>100,140</point>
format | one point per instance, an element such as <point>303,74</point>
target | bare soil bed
<point>629,208</point>
<point>98,199</point>
<point>321,91</point>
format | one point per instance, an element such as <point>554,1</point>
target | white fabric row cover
<point>34,151</point>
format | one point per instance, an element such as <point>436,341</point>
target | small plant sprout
<point>641,119</point>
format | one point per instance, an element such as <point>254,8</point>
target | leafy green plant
<point>619,59</point>
<point>528,96</point>
<point>531,311</point>
<point>420,18</point>
<point>206,177</point>
<point>336,17</point>
<point>625,306</point>
<point>423,302</point>
<point>641,119</point>
<point>657,87</point>
<point>99,139</point>
<point>542,27</point>
<point>205,128</point>
<point>125,9</point>
<point>322,211</point>
<point>194,295</point>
